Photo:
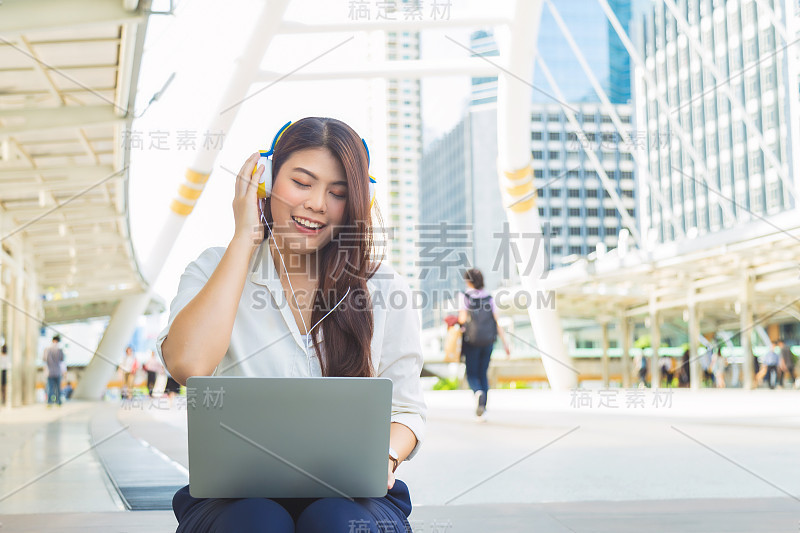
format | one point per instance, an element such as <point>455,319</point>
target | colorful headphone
<point>265,181</point>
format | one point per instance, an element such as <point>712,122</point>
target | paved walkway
<point>722,461</point>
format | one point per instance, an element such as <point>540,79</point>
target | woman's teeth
<point>307,224</point>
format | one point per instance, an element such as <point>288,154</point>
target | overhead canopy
<point>68,76</point>
<point>709,270</point>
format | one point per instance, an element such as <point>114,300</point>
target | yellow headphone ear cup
<point>265,180</point>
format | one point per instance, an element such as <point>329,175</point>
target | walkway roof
<point>68,78</point>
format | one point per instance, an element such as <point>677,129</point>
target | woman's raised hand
<point>245,203</point>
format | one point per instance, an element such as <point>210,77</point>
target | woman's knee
<point>220,515</point>
<point>334,515</point>
<point>254,514</point>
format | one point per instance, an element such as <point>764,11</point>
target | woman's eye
<point>339,196</point>
<point>301,184</point>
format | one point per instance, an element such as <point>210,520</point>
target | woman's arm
<point>200,333</point>
<point>402,440</point>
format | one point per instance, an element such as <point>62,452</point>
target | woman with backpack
<point>478,315</point>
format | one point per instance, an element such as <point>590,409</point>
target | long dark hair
<point>345,262</point>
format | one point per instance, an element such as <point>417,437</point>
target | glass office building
<point>713,111</point>
<point>594,36</point>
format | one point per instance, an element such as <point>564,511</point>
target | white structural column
<point>122,324</point>
<point>746,329</point>
<point>605,343</point>
<point>792,109</point>
<point>16,319</point>
<point>694,343</point>
<point>655,344</point>
<point>32,320</point>
<point>624,343</point>
<point>516,183</point>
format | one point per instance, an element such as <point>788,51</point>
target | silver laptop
<point>288,437</point>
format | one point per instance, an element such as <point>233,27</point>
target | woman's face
<point>308,200</point>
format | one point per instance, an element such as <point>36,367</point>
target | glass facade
<point>714,142</point>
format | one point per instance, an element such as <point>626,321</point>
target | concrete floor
<point>706,461</point>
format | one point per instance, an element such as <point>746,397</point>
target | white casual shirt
<point>265,340</point>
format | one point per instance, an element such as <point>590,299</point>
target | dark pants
<point>287,515</point>
<point>54,390</point>
<point>477,359</point>
<point>151,382</point>
<point>772,376</point>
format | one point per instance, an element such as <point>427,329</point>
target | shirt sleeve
<point>401,361</point>
<point>192,281</point>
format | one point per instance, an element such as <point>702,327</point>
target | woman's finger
<point>245,174</point>
<point>253,183</point>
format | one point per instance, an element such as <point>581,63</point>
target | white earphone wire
<point>283,264</point>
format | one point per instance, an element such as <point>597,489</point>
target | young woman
<point>477,354</point>
<point>292,295</point>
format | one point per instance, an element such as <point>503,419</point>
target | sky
<point>200,44</point>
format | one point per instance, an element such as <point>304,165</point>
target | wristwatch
<point>394,457</point>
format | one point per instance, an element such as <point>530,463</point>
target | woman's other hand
<point>245,203</point>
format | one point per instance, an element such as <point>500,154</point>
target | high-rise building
<point>462,220</point>
<point>713,108</point>
<point>484,88</point>
<point>594,36</point>
<point>577,212</point>
<point>404,149</point>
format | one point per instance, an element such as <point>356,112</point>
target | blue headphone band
<point>367,149</point>
<point>264,189</point>
<point>278,136</point>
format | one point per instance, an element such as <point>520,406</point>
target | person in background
<point>788,362</point>
<point>53,357</point>
<point>153,367</point>
<point>667,366</point>
<point>718,366</point>
<point>4,366</point>
<point>478,314</point>
<point>683,370</point>
<point>769,366</point>
<point>129,366</point>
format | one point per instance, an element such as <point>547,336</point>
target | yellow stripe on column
<point>180,208</point>
<point>520,190</point>
<point>523,189</point>
<point>196,177</point>
<point>516,175</point>
<point>187,192</point>
<point>521,207</point>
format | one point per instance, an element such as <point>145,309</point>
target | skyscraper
<point>594,36</point>
<point>712,103</point>
<point>404,149</point>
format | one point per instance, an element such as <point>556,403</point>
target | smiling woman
<point>319,216</point>
<point>309,242</point>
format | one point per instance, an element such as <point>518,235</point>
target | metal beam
<point>293,27</point>
<point>53,118</point>
<point>410,69</point>
<point>68,173</point>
